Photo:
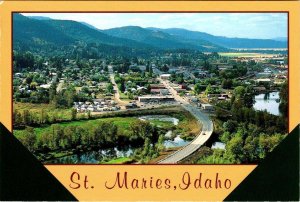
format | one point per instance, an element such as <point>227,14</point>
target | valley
<point>134,95</point>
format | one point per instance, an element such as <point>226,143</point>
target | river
<point>94,157</point>
<point>169,143</point>
<point>268,101</point>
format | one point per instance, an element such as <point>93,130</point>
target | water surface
<point>94,157</point>
<point>267,101</point>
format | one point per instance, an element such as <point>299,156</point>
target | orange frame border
<point>235,172</point>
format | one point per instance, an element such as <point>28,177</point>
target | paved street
<point>204,135</point>
<point>60,85</point>
<point>116,90</point>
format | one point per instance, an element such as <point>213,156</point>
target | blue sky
<point>246,25</point>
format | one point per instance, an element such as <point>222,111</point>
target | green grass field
<point>188,125</point>
<point>120,160</point>
<point>63,114</point>
<point>124,97</point>
<point>122,123</point>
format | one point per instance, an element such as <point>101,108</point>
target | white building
<point>207,107</point>
<point>45,86</point>
<point>165,76</point>
<point>263,80</point>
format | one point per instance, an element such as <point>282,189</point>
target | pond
<point>268,101</point>
<point>177,141</point>
<point>165,118</point>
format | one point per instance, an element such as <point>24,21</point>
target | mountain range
<point>39,31</point>
<point>161,39</point>
<point>225,41</point>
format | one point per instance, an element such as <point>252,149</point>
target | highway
<point>203,136</point>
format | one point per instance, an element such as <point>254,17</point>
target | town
<point>137,95</point>
<point>106,86</point>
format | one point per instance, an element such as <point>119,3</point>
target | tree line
<point>141,134</point>
<point>245,143</point>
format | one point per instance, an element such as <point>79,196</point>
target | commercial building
<point>165,76</point>
<point>146,99</point>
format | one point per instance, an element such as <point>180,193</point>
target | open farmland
<point>247,55</point>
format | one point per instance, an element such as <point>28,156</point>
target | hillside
<point>48,36</point>
<point>223,41</point>
<point>160,39</point>
<point>36,32</point>
<point>81,32</point>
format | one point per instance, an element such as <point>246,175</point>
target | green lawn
<point>123,124</point>
<point>120,160</point>
<point>124,97</point>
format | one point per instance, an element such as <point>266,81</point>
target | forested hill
<point>81,32</point>
<point>161,39</point>
<point>36,32</point>
<point>223,41</point>
<point>48,36</point>
<point>40,34</point>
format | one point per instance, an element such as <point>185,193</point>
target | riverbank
<point>185,127</point>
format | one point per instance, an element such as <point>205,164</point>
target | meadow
<point>123,123</point>
<point>59,113</point>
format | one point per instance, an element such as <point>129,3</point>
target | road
<point>60,85</point>
<point>203,136</point>
<point>116,89</point>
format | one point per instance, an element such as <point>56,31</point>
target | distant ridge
<point>88,25</point>
<point>224,41</point>
<point>34,32</point>
<point>39,17</point>
<point>284,39</point>
<point>39,31</point>
<point>47,35</point>
<point>161,39</point>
